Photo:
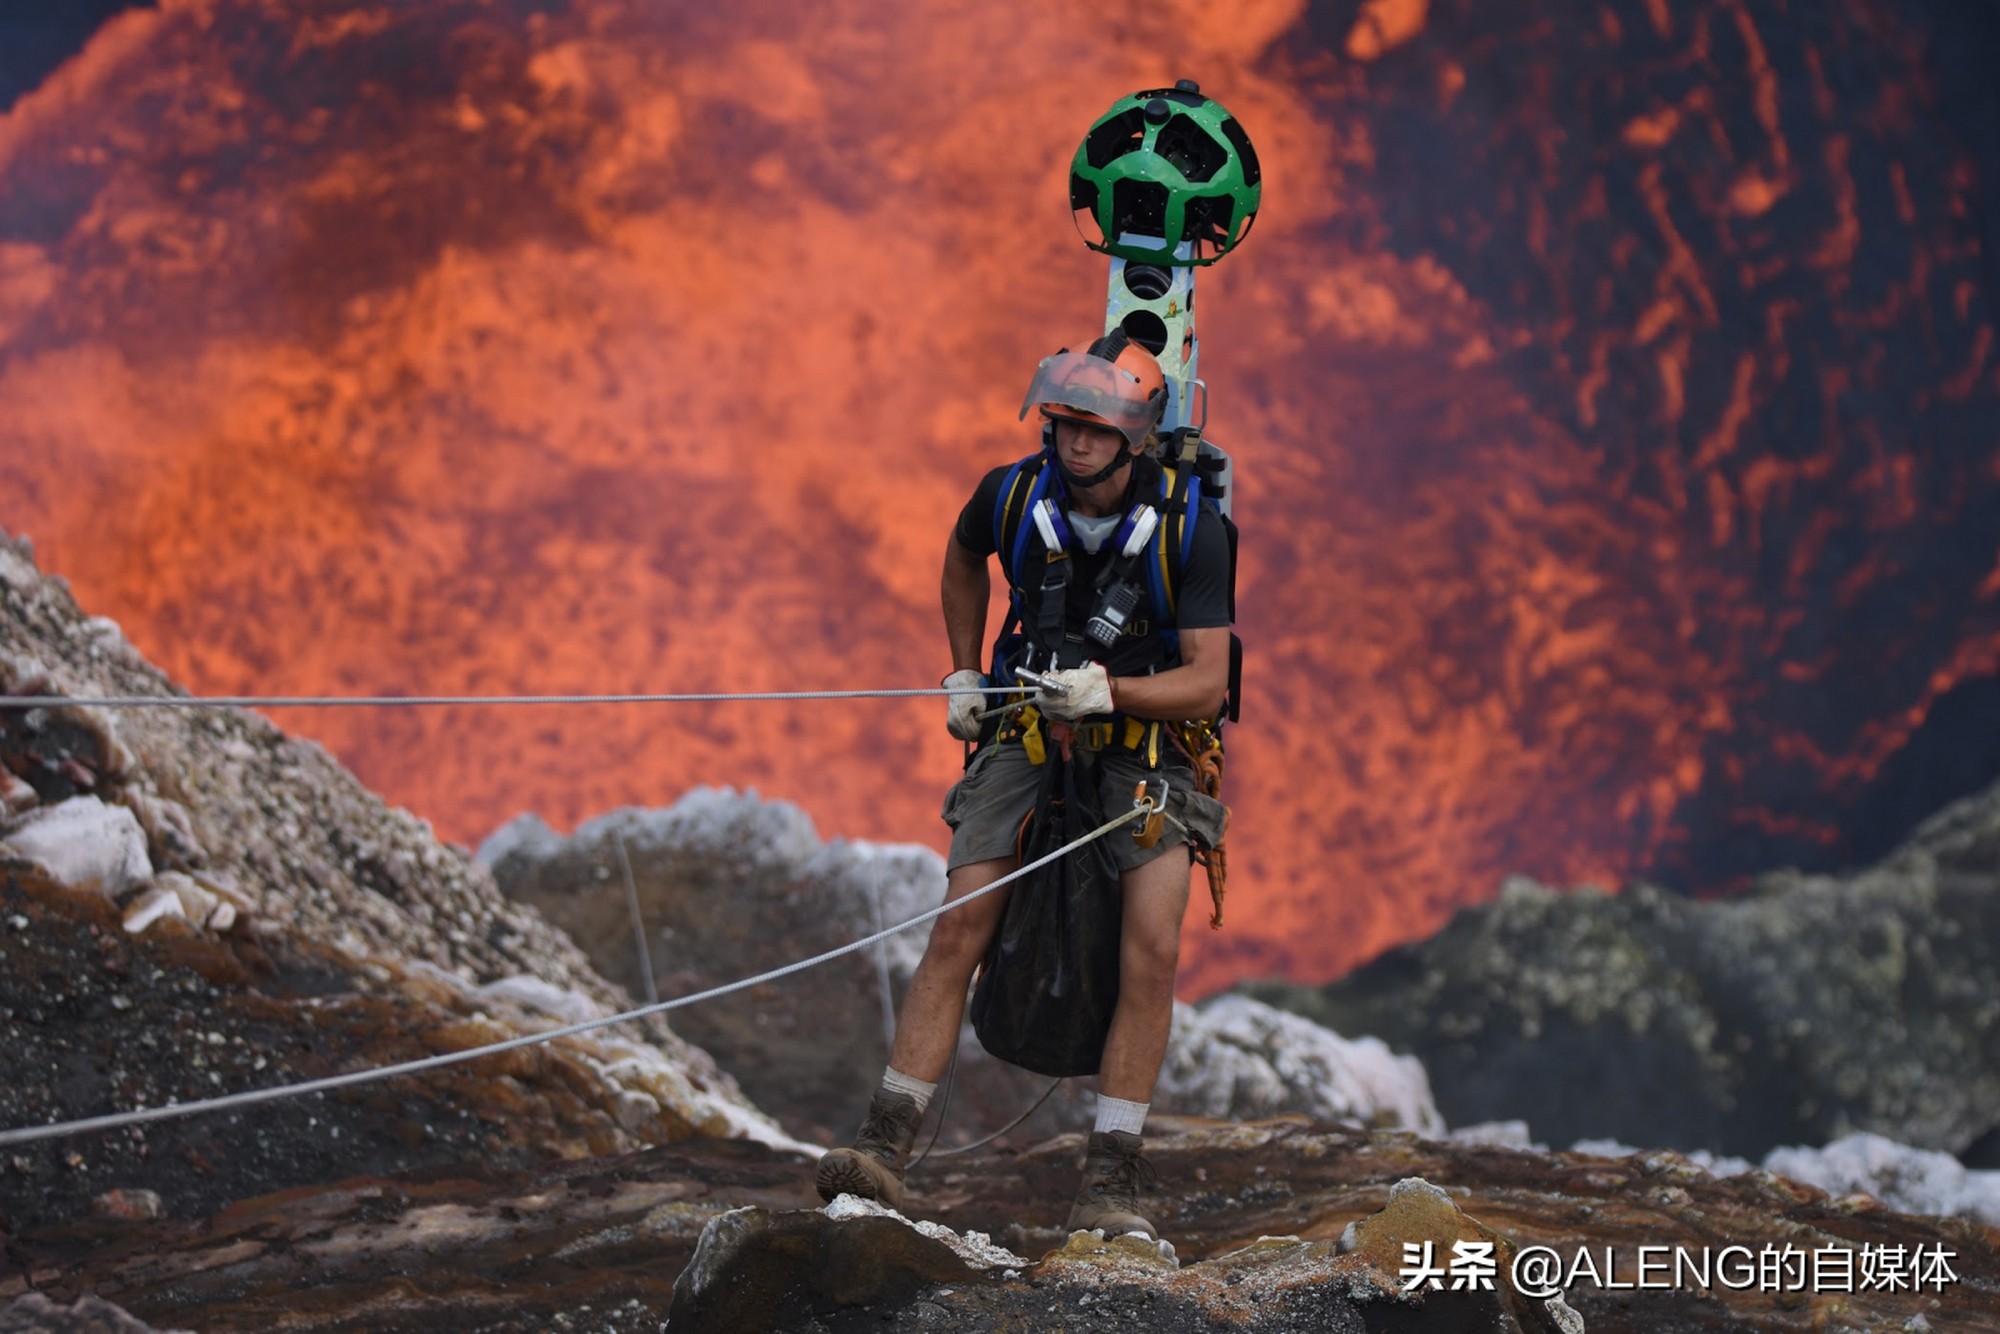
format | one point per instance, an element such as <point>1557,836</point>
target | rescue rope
<point>381,701</point>
<point>118,1120</point>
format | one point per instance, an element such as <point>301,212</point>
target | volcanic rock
<point>1811,1008</point>
<point>198,905</point>
<point>16,796</point>
<point>157,904</point>
<point>36,1314</point>
<point>84,845</point>
<point>729,886</point>
<point>758,1270</point>
<point>132,1204</point>
<point>1237,1058</point>
<point>281,923</point>
<point>1256,1211</point>
<point>1858,1167</point>
<point>1915,1181</point>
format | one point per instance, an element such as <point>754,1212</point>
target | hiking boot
<point>873,1167</point>
<point>1108,1199</point>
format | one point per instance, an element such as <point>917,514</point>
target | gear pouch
<point>1049,983</point>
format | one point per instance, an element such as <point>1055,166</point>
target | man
<point>1102,407</point>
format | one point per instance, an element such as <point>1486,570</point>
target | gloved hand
<point>963,720</point>
<point>1087,690</point>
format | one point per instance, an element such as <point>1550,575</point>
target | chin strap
<point>1103,474</point>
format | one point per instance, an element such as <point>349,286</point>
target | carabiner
<point>1147,831</point>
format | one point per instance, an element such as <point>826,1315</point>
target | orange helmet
<point>1117,383</point>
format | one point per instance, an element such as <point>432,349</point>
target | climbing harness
<point>1151,549</point>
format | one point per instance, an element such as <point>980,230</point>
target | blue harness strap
<point>1014,551</point>
<point>1172,547</point>
<point>1020,488</point>
<point>1026,484</point>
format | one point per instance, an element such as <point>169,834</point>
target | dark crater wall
<point>1811,1008</point>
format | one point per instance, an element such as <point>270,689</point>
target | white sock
<point>895,1081</point>
<point>1118,1114</point>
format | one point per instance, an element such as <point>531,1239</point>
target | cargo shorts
<point>986,806</point>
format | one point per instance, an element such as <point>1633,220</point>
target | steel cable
<point>391,701</point>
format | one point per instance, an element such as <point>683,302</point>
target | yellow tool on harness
<point>1030,728</point>
<point>1033,739</point>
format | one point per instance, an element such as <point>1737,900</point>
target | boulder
<point>1240,1059</point>
<point>17,796</point>
<point>85,844</point>
<point>758,1269</point>
<point>729,886</point>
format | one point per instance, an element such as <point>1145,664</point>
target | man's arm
<point>1194,689</point>
<point>967,585</point>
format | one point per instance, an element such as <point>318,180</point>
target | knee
<point>1151,961</point>
<point>960,938</point>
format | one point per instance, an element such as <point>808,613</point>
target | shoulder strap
<point>1024,484</point>
<point>1180,486</point>
<point>1022,487</point>
<point>1173,547</point>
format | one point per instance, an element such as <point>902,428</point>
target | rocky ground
<point>725,1235</point>
<point>193,903</point>
<point>1813,1007</point>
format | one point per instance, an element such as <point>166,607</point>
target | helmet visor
<point>1101,388</point>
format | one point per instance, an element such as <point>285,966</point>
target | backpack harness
<point>1150,550</point>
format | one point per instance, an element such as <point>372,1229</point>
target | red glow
<point>426,349</point>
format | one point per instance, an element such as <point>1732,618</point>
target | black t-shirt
<point>1201,596</point>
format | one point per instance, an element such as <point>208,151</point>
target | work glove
<point>1086,690</point>
<point>963,720</point>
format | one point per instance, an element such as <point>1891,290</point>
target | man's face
<point>1085,447</point>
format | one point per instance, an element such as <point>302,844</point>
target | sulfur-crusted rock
<point>1809,1009</point>
<point>769,1271</point>
<point>1421,1236</point>
<point>1237,1057</point>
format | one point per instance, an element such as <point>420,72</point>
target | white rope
<point>379,701</point>
<point>118,1120</point>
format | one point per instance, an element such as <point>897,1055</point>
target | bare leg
<point>927,1029</point>
<point>1149,952</point>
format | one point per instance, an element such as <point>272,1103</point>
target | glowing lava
<point>1612,391</point>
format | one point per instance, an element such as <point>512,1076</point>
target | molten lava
<point>1612,386</point>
